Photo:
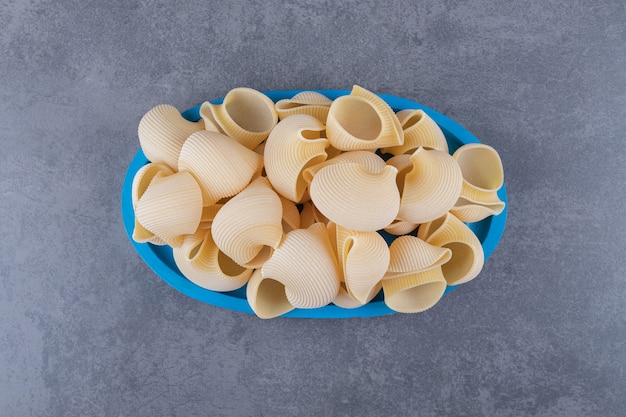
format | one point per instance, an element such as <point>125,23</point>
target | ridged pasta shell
<point>306,265</point>
<point>201,262</point>
<point>345,300</point>
<point>142,179</point>
<point>415,293</point>
<point>222,166</point>
<point>419,131</point>
<point>351,196</point>
<point>306,102</point>
<point>310,215</point>
<point>431,188</point>
<point>483,175</point>
<point>293,145</point>
<point>207,116</point>
<point>364,260</point>
<point>162,132</point>
<point>249,225</point>
<point>400,227</point>
<point>208,214</point>
<point>468,256</point>
<point>410,254</point>
<point>370,161</point>
<point>171,207</point>
<point>291,215</point>
<point>267,296</point>
<point>362,120</point>
<point>246,115</point>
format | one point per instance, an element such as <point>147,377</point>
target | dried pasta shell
<point>222,166</point>
<point>267,296</point>
<point>364,260</point>
<point>362,120</point>
<point>249,226</point>
<point>467,258</point>
<point>400,227</point>
<point>294,144</point>
<point>431,188</point>
<point>370,161</point>
<point>419,131</point>
<point>415,293</point>
<point>310,215</point>
<point>171,207</point>
<point>483,176</point>
<point>207,116</point>
<point>201,262</point>
<point>142,179</point>
<point>409,255</point>
<point>306,102</point>
<point>162,132</point>
<point>352,197</point>
<point>208,214</point>
<point>246,115</point>
<point>307,267</point>
<point>345,300</point>
<point>291,215</point>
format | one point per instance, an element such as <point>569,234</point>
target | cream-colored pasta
<point>353,197</point>
<point>483,176</point>
<point>246,115</point>
<point>207,116</point>
<point>419,131</point>
<point>416,292</point>
<point>467,253</point>
<point>249,226</point>
<point>222,166</point>
<point>410,254</point>
<point>310,215</point>
<point>306,265</point>
<point>345,300</point>
<point>208,214</point>
<point>162,132</point>
<point>142,235</point>
<point>370,161</point>
<point>201,262</point>
<point>267,296</point>
<point>171,207</point>
<point>400,227</point>
<point>306,102</point>
<point>294,144</point>
<point>362,120</point>
<point>364,260</point>
<point>431,188</point>
<point>291,215</point>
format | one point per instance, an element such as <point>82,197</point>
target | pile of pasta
<point>289,198</point>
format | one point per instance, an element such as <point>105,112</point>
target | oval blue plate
<point>161,260</point>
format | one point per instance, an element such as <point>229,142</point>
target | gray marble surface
<point>86,329</point>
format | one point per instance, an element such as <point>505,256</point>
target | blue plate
<point>161,260</point>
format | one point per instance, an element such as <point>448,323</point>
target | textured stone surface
<point>88,330</point>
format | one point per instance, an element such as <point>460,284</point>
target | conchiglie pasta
<point>369,160</point>
<point>294,144</point>
<point>201,262</point>
<point>171,207</point>
<point>267,296</point>
<point>352,197</point>
<point>306,102</point>
<point>431,187</point>
<point>410,254</point>
<point>419,131</point>
<point>362,120</point>
<point>415,293</point>
<point>306,266</point>
<point>222,166</point>
<point>162,132</point>
<point>246,115</point>
<point>249,226</point>
<point>141,181</point>
<point>467,257</point>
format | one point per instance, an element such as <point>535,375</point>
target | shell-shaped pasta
<point>222,166</point>
<point>208,214</point>
<point>369,160</point>
<point>207,116</point>
<point>353,197</point>
<point>293,145</point>
<point>201,262</point>
<point>306,102</point>
<point>468,256</point>
<point>246,115</point>
<point>419,131</point>
<point>291,215</point>
<point>416,292</point>
<point>364,259</point>
<point>362,120</point>
<point>171,207</point>
<point>483,176</point>
<point>162,132</point>
<point>310,215</point>
<point>410,254</point>
<point>267,296</point>
<point>400,227</point>
<point>431,188</point>
<point>345,300</point>
<point>307,267</point>
<point>249,225</point>
<point>142,179</point>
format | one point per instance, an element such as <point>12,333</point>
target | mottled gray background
<point>86,329</point>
